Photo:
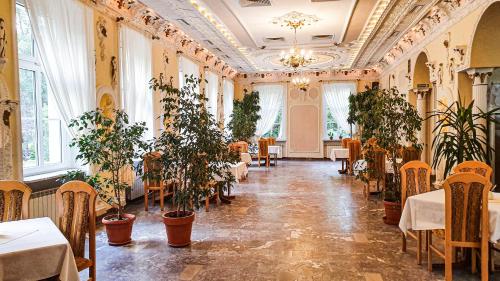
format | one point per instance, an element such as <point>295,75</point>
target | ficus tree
<point>245,115</point>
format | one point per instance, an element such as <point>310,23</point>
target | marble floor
<point>300,220</point>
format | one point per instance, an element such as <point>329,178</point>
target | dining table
<point>426,211</point>
<point>35,249</point>
<point>246,157</point>
<point>341,154</point>
<point>274,150</point>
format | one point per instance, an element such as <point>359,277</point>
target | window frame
<point>32,63</point>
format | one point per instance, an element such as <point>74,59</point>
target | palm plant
<point>461,135</point>
<point>194,151</point>
<point>110,144</point>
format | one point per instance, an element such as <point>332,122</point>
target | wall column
<point>480,86</point>
<point>421,109</point>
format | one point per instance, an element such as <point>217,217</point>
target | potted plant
<point>461,135</point>
<point>110,145</point>
<point>194,153</point>
<point>364,113</point>
<point>244,118</point>
<point>399,123</point>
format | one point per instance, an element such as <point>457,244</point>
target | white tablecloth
<point>35,249</point>
<point>239,171</point>
<point>246,157</point>
<point>339,153</point>
<point>274,149</point>
<point>426,211</point>
<point>360,165</point>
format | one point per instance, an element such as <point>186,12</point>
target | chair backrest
<point>345,141</point>
<point>377,167</point>
<point>415,179</point>
<point>410,153</point>
<point>466,201</point>
<point>152,169</point>
<point>14,199</point>
<point>272,141</point>
<point>263,147</point>
<point>243,146</point>
<point>476,167</point>
<point>354,150</point>
<point>76,213</point>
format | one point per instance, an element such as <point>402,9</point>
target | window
<point>212,93</point>
<point>336,109</point>
<point>271,103</point>
<point>228,100</point>
<point>275,130</point>
<point>187,68</point>
<point>44,140</point>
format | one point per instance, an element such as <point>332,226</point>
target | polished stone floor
<point>300,220</point>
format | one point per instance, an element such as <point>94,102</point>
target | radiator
<point>43,204</point>
<point>137,189</point>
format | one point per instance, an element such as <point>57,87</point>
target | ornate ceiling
<point>351,34</point>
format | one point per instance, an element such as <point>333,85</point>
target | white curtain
<point>187,68</point>
<point>228,100</point>
<point>212,93</point>
<point>336,98</point>
<point>271,102</point>
<point>64,34</point>
<point>136,71</point>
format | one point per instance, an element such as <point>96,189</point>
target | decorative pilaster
<point>480,83</point>
<point>421,109</point>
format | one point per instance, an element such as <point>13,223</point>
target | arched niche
<point>106,100</point>
<point>421,75</point>
<point>485,50</point>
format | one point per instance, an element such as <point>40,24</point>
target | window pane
<point>28,117</point>
<point>25,40</point>
<point>51,126</point>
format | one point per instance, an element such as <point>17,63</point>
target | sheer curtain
<point>136,71</point>
<point>64,34</point>
<point>187,68</point>
<point>212,93</point>
<point>271,101</point>
<point>228,100</point>
<point>336,98</point>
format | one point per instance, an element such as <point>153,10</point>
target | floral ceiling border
<point>136,13</point>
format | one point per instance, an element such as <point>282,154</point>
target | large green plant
<point>194,151</point>
<point>364,112</point>
<point>110,144</point>
<point>245,115</point>
<point>461,134</point>
<point>399,124</point>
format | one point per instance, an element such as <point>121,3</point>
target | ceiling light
<point>302,83</point>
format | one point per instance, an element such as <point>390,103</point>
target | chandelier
<point>296,57</point>
<point>302,83</point>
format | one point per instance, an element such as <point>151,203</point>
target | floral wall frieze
<point>144,18</point>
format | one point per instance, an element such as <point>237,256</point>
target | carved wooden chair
<point>272,141</point>
<point>14,199</point>
<point>76,214</point>
<point>466,223</point>
<point>264,152</point>
<point>415,179</point>
<point>376,171</point>
<point>243,146</point>
<point>354,153</point>
<point>345,141</point>
<point>410,153</point>
<point>476,167</point>
<point>154,181</point>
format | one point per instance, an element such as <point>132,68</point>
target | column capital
<point>421,92</point>
<point>481,75</point>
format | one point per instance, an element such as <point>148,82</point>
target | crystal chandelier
<point>302,83</point>
<point>296,57</point>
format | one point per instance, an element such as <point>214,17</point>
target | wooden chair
<point>467,221</point>
<point>215,194</point>
<point>376,171</point>
<point>264,152</point>
<point>14,199</point>
<point>476,167</point>
<point>345,141</point>
<point>410,153</point>
<point>354,153</point>
<point>154,181</point>
<point>272,141</point>
<point>76,214</point>
<point>415,179</point>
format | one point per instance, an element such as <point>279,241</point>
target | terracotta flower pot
<point>392,212</point>
<point>119,231</point>
<point>178,228</point>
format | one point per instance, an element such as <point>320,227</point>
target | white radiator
<point>137,189</point>
<point>43,204</point>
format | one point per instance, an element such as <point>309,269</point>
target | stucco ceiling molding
<point>455,14</point>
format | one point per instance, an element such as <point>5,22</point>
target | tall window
<point>271,103</point>
<point>336,109</point>
<point>44,138</point>
<point>187,68</point>
<point>228,100</point>
<point>212,91</point>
